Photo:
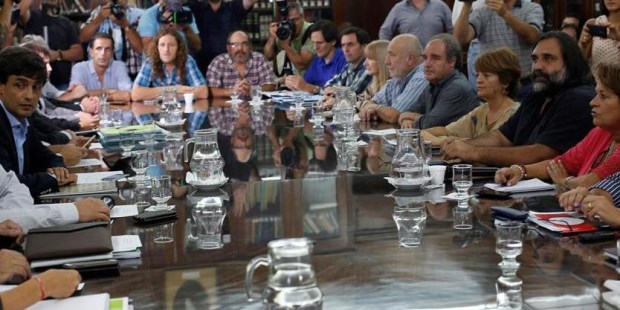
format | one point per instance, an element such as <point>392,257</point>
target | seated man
<point>102,73</point>
<point>64,114</point>
<point>17,205</point>
<point>552,120</point>
<point>22,74</point>
<point>328,62</point>
<point>239,69</point>
<point>354,75</point>
<point>407,81</point>
<point>448,96</point>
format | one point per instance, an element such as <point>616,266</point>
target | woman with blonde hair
<point>497,83</point>
<point>375,66</point>
<point>168,65</point>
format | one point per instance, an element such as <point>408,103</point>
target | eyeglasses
<point>239,44</point>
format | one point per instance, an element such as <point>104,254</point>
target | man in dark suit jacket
<point>22,75</point>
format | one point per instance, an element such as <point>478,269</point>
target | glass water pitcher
<point>291,281</point>
<point>408,160</point>
<point>206,163</point>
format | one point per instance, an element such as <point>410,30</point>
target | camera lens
<point>283,32</point>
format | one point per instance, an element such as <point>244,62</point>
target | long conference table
<point>357,258</point>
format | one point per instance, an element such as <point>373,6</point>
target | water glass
<point>354,161</point>
<point>509,293</point>
<point>127,190</point>
<point>256,93</point>
<point>509,242</point>
<point>209,214</point>
<point>463,218</point>
<point>164,233</point>
<point>117,117</point>
<point>126,143</point>
<point>234,96</point>
<point>410,224</point>
<point>461,180</point>
<point>161,191</point>
<point>150,133</point>
<point>143,193</point>
<point>140,162</point>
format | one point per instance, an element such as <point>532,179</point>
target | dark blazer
<point>46,130</point>
<point>37,159</point>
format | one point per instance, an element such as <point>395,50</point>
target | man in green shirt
<point>298,49</point>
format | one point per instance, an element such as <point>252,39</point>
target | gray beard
<point>556,79</point>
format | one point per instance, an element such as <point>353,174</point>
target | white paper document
<point>383,132</point>
<point>94,177</point>
<point>124,243</point>
<point>124,211</point>
<point>96,146</point>
<point>94,302</point>
<point>87,162</point>
<point>532,185</point>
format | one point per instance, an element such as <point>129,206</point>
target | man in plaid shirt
<point>239,69</point>
<point>353,41</point>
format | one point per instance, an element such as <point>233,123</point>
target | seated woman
<point>497,82</point>
<point>375,66</point>
<point>168,65</point>
<point>599,203</point>
<point>595,157</point>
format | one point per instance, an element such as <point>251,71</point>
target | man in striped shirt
<point>404,62</point>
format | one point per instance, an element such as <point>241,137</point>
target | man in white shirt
<point>17,205</point>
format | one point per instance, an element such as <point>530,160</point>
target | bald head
<point>403,55</point>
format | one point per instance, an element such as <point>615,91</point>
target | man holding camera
<point>515,24</point>
<point>60,34</point>
<point>119,20</point>
<point>169,13</point>
<point>290,37</point>
<point>216,19</point>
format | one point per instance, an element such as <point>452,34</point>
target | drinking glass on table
<point>126,143</point>
<point>140,162</point>
<point>117,117</point>
<point>149,134</point>
<point>508,244</point>
<point>161,191</point>
<point>462,181</point>
<point>256,93</point>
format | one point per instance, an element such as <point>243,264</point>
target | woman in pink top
<point>596,156</point>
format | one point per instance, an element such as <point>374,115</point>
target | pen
<point>87,144</point>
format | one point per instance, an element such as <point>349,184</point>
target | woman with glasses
<point>596,156</point>
<point>168,64</point>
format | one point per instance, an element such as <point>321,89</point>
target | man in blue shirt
<point>328,61</point>
<point>22,75</point>
<point>121,25</point>
<point>406,83</point>
<point>101,73</point>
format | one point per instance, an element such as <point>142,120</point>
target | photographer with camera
<point>169,14</point>
<point>516,24</point>
<point>119,20</point>
<point>290,36</point>
<point>60,34</point>
<point>216,19</point>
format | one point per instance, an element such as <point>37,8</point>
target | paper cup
<point>189,102</point>
<point>437,174</point>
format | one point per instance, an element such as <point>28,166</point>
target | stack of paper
<point>126,246</point>
<point>532,185</point>
<point>91,302</point>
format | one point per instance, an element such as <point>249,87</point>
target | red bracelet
<point>41,288</point>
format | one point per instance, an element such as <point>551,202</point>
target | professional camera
<point>117,10</point>
<point>285,27</point>
<point>178,14</point>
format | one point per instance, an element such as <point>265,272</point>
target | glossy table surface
<point>357,259</point>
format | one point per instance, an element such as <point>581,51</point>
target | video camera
<point>14,12</point>
<point>178,14</point>
<point>285,27</point>
<point>117,10</point>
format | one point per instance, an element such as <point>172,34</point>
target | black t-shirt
<point>62,33</point>
<point>565,121</point>
<point>215,27</point>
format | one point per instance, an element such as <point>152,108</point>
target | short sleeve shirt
<point>319,72</point>
<point>193,77</point>
<point>115,76</point>
<point>475,122</point>
<point>222,73</point>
